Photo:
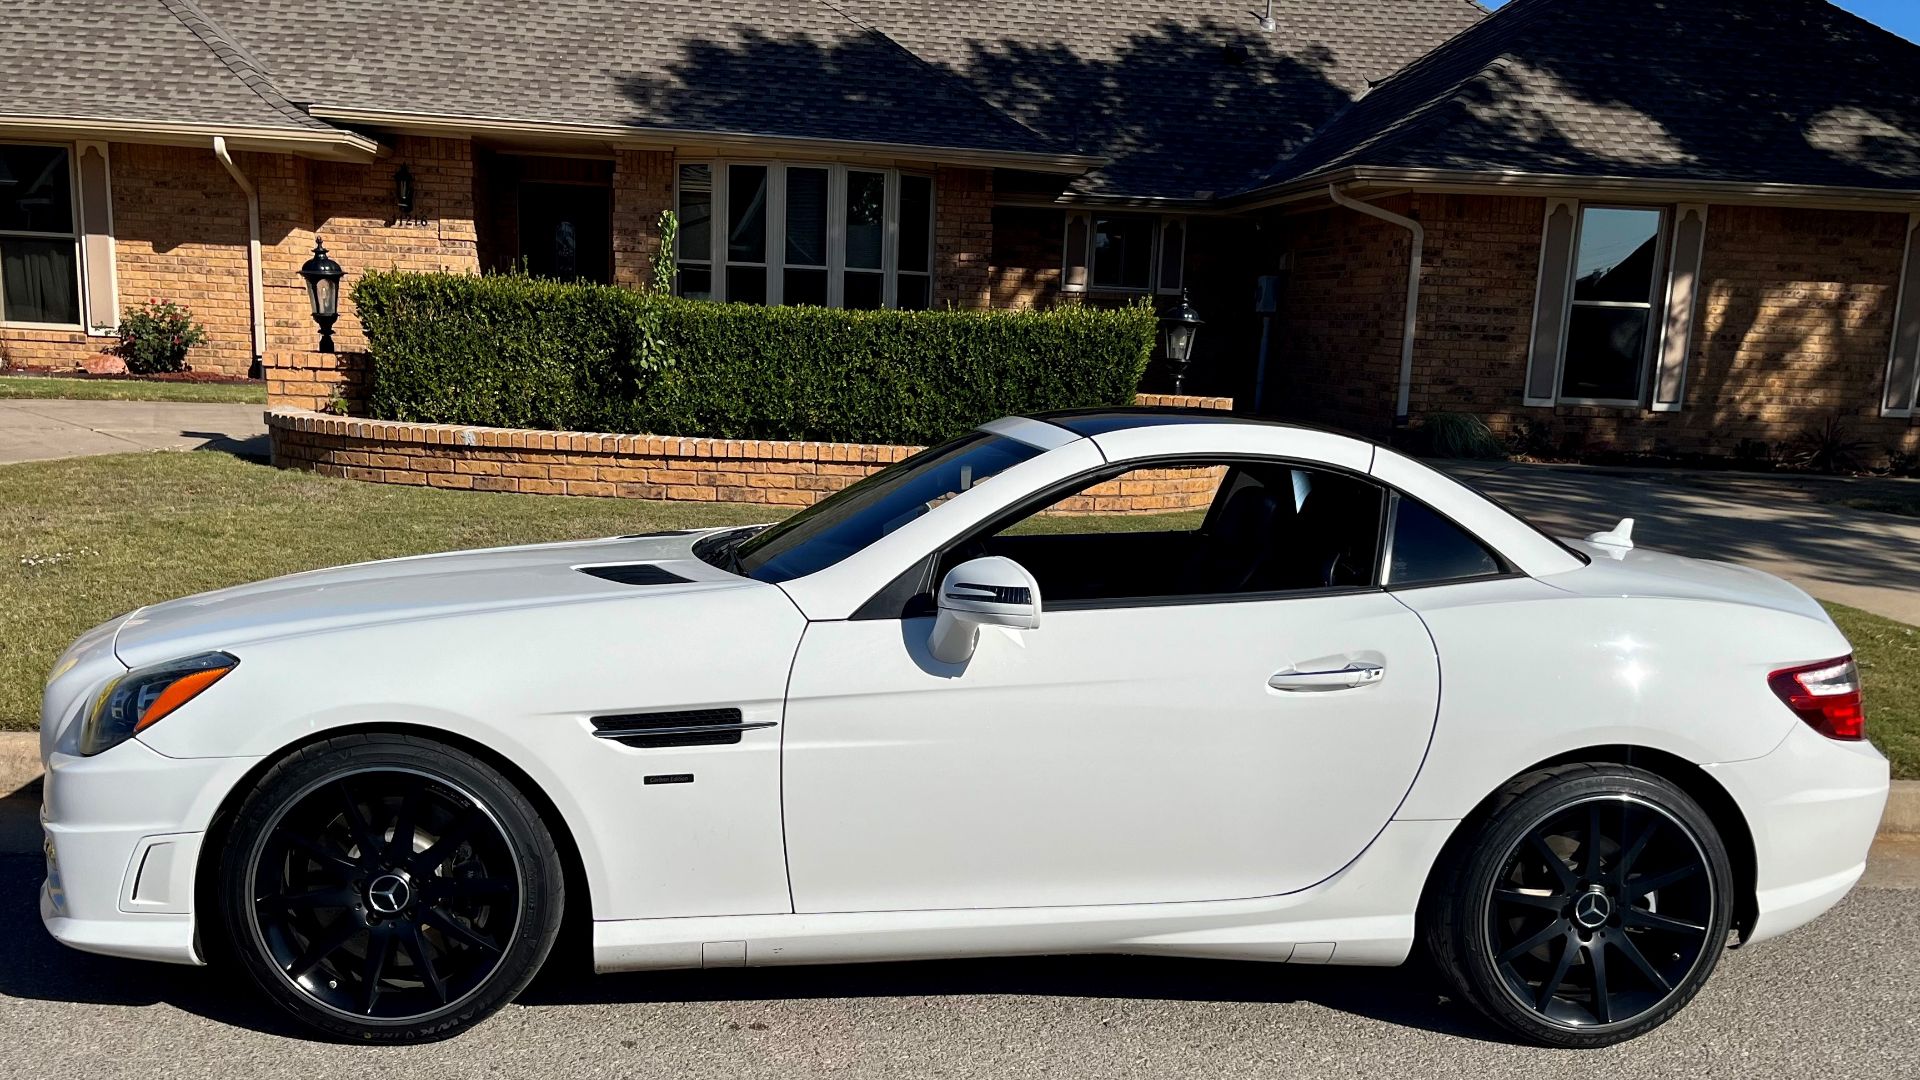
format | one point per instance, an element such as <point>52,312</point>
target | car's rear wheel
<point>384,888</point>
<point>1588,908</point>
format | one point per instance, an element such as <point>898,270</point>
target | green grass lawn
<point>41,386</point>
<point>1888,653</point>
<point>85,539</point>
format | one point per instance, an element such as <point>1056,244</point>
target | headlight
<point>135,701</point>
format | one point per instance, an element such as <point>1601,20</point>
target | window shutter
<point>1903,365</point>
<point>1074,271</point>
<point>1683,288</point>
<point>1550,301</point>
<point>101,299</point>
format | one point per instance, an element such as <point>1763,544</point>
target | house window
<point>827,235</point>
<point>1610,321</point>
<point>39,245</point>
<point>1124,253</point>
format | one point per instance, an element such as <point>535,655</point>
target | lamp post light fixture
<point>1182,324</point>
<point>323,291</point>
<point>403,192</point>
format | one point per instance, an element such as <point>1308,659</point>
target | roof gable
<point>134,60</point>
<point>1784,92</point>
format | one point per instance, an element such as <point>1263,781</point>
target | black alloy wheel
<point>1592,908</point>
<point>384,897</point>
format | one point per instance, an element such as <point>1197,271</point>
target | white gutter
<point>335,145</point>
<point>653,136</point>
<point>1413,288</point>
<point>256,295</point>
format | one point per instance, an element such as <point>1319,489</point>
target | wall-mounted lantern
<point>323,291</point>
<point>1182,325</point>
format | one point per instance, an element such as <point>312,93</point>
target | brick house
<point>1640,223</point>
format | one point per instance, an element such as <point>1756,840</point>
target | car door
<point>1145,744</point>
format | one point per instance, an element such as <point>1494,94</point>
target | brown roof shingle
<point>1783,92</point>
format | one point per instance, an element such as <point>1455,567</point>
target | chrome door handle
<point>1350,676</point>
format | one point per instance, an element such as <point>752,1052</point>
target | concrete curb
<point>20,766</point>
<point>1903,809</point>
<point>19,760</point>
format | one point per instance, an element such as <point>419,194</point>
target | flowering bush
<point>156,335</point>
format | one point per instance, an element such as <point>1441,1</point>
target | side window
<point>1426,548</point>
<point>1199,529</point>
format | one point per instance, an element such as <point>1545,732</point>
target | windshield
<point>839,526</point>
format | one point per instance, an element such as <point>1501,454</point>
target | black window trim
<point>1394,497</point>
<point>893,602</point>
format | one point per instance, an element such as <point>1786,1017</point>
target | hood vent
<point>634,574</point>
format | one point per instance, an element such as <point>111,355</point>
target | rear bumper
<point>1813,805</point>
<point>122,835</point>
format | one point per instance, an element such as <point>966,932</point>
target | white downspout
<point>256,297</point>
<point>1400,407</point>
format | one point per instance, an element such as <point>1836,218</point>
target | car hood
<point>1642,573</point>
<point>415,588</point>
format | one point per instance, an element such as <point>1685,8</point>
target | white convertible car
<point>1329,706</point>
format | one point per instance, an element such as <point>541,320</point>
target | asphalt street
<point>1840,998</point>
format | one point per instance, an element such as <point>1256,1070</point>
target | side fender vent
<point>688,727</point>
<point>634,574</point>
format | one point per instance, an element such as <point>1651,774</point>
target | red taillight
<point>1826,695</point>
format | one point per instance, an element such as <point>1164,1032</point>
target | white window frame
<point>79,249</point>
<point>776,225</point>
<point>1163,250</point>
<point>1654,307</point>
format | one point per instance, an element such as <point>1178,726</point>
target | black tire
<point>370,939</point>
<point>1566,949</point>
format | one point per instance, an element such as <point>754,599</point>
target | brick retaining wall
<point>776,473</point>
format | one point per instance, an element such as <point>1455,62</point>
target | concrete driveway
<point>41,429</point>
<point>1784,525</point>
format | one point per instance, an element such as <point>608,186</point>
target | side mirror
<point>993,591</point>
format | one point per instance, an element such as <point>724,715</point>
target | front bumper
<point>123,831</point>
<point>1813,805</point>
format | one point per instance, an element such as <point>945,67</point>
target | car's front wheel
<point>1586,909</point>
<point>384,888</point>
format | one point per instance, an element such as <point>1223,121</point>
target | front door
<point>566,231</point>
<point>1146,744</point>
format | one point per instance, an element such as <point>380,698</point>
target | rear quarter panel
<point>1529,672</point>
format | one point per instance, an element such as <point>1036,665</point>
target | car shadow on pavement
<point>33,966</point>
<point>1410,996</point>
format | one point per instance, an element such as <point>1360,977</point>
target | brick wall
<point>778,473</point>
<point>355,213</point>
<point>1336,359</point>
<point>1024,267</point>
<point>1794,324</point>
<point>962,237</point>
<point>301,379</point>
<point>180,233</point>
<point>47,350</point>
<point>1477,286</point>
<point>642,187</point>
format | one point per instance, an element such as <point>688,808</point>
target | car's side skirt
<point>1362,915</point>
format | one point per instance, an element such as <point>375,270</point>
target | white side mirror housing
<point>993,591</point>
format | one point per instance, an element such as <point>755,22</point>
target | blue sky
<point>1900,16</point>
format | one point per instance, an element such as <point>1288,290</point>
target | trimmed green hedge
<point>513,351</point>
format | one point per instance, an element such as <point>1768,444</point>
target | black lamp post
<point>1182,324</point>
<point>323,291</point>
<point>403,192</point>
